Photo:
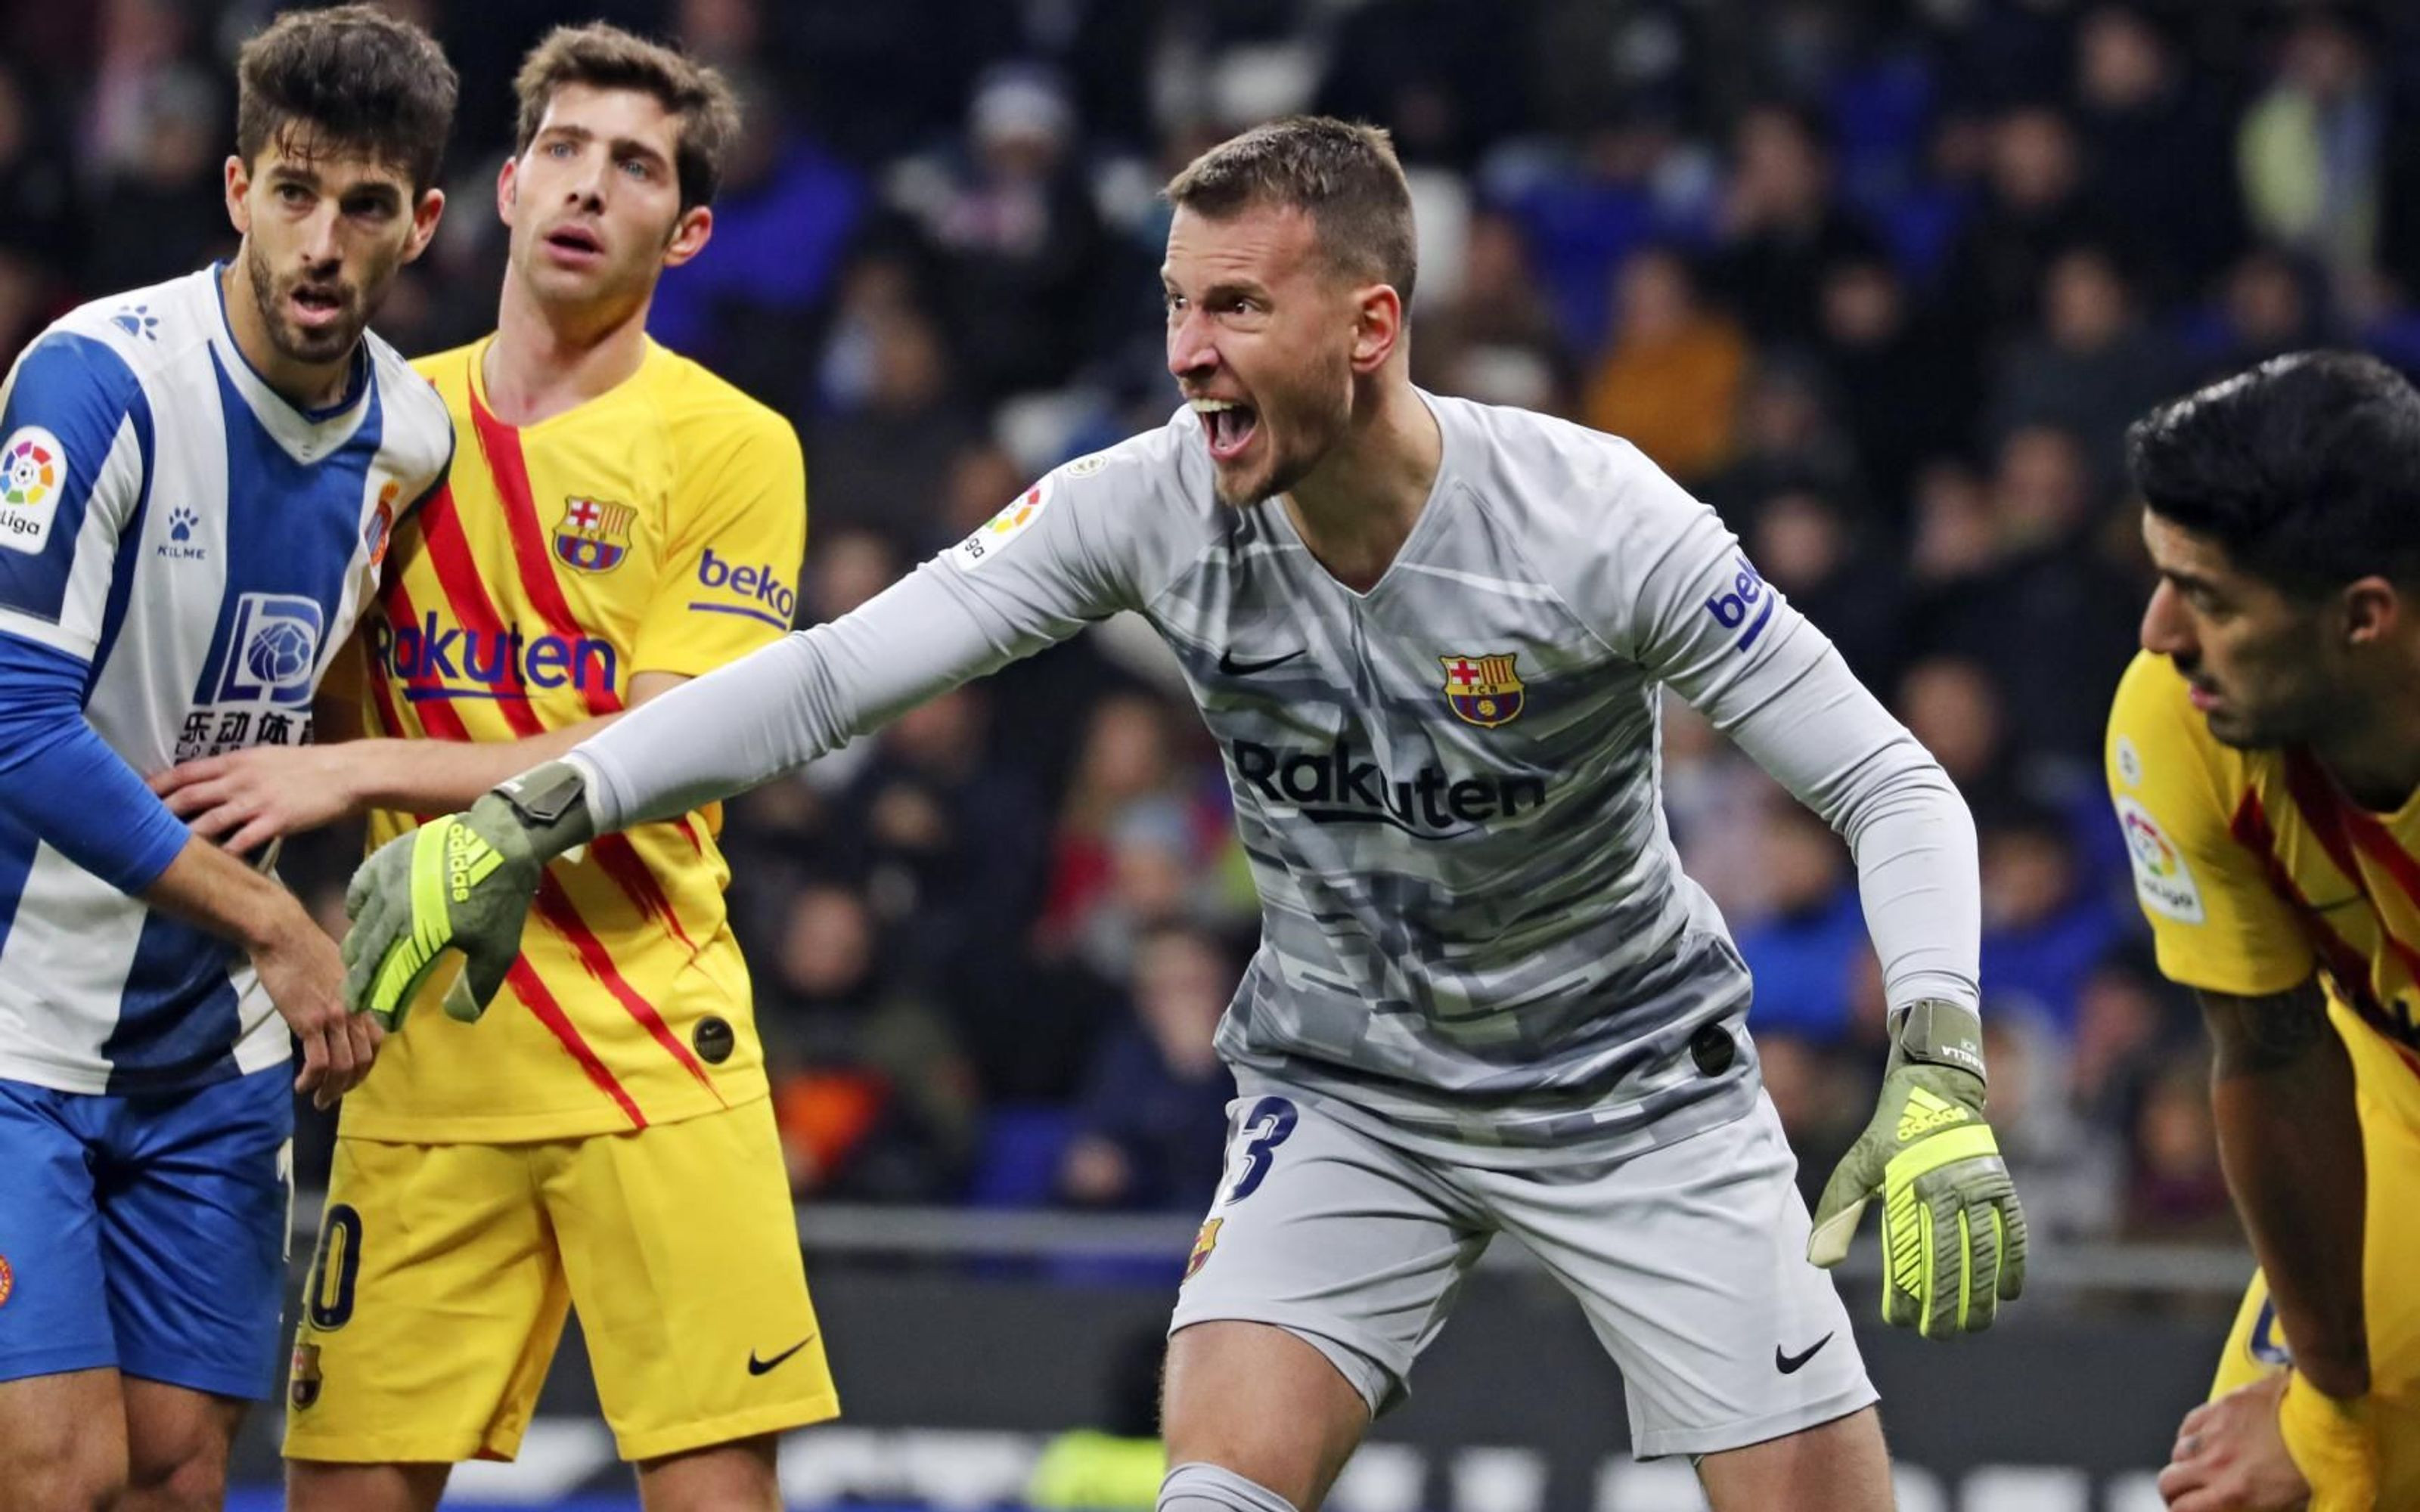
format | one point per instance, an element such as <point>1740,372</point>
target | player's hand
<point>1953,1237</point>
<point>247,798</point>
<point>2231,1456</point>
<point>303,976</point>
<point>463,882</point>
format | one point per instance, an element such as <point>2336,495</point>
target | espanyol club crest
<point>1483,690</point>
<point>380,529</point>
<point>592,536</point>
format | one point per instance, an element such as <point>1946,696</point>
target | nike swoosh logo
<point>1228,666</point>
<point>757,1368</point>
<point>1788,1364</point>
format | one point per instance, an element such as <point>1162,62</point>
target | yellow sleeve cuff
<point>2328,1440</point>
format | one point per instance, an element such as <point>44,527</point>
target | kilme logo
<point>494,664</point>
<point>1333,787</point>
<point>1749,595</point>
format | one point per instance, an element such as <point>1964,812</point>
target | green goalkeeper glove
<point>1953,1237</point>
<point>463,882</point>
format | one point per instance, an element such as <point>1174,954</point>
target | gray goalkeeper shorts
<point>1689,1261</point>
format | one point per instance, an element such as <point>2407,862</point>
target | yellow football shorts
<point>442,1274</point>
<point>2391,1145</point>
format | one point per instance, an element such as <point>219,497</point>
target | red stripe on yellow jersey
<point>657,528</point>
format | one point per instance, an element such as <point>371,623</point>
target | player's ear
<point>424,217</point>
<point>508,179</point>
<point>690,236</point>
<point>2372,609</point>
<point>239,189</point>
<point>1377,326</point>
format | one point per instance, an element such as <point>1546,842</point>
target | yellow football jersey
<point>657,528</point>
<point>2256,869</point>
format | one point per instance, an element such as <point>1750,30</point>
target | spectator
<point>1669,381</point>
<point>1152,1120</point>
<point>881,462</point>
<point>1023,250</point>
<point>2174,1190</point>
<point>1803,544</point>
<point>1799,954</point>
<point>1906,389</point>
<point>2311,152</point>
<point>2092,367</point>
<point>2045,928</point>
<point>2156,141</point>
<point>2034,208</point>
<point>873,1096</point>
<point>1780,225</point>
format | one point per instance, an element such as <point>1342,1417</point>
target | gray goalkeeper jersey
<point>1475,929</point>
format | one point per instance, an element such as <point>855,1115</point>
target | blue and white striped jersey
<point>182,552</point>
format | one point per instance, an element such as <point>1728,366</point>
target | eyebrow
<point>292,172</point>
<point>2188,579</point>
<point>1244,286</point>
<point>630,145</point>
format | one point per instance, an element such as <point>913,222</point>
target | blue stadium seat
<point>1019,1163</point>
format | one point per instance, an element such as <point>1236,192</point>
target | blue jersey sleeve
<point>61,780</point>
<point>75,449</point>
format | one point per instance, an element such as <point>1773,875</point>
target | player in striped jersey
<point>618,520</point>
<point>2264,759</point>
<point>195,480</point>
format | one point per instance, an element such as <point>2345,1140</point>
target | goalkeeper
<point>1429,637</point>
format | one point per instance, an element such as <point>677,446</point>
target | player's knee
<point>1199,1488</point>
<point>81,1478</point>
<point>191,1474</point>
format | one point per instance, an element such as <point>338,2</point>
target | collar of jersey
<point>1441,489</point>
<point>355,386</point>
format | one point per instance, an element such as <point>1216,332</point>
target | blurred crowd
<point>1884,282</point>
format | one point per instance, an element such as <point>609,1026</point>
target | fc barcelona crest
<point>593,537</point>
<point>1204,1243</point>
<point>1483,690</point>
<point>302,1377</point>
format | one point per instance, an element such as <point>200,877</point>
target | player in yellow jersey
<point>617,521</point>
<point>2264,759</point>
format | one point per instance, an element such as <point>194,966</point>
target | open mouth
<point>1230,426</point>
<point>316,306</point>
<point>574,241</point>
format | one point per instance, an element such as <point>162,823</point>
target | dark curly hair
<point>2305,468</point>
<point>350,79</point>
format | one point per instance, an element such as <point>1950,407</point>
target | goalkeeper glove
<point>463,882</point>
<point>1953,1237</point>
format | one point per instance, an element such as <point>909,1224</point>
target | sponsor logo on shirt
<point>593,535</point>
<point>755,593</point>
<point>437,661</point>
<point>2161,878</point>
<point>183,520</point>
<point>273,652</point>
<point>33,474</point>
<point>1748,599</point>
<point>1483,690</point>
<point>1336,787</point>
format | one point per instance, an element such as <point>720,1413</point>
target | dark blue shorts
<point>147,1233</point>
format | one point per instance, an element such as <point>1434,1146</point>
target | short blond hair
<point>607,58</point>
<point>1344,175</point>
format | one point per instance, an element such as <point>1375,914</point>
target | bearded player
<point>619,521</point>
<point>1427,635</point>
<point>2264,757</point>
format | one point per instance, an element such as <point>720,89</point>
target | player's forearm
<point>1839,751</point>
<point>429,777</point>
<point>207,886</point>
<point>2289,1140</point>
<point>785,705</point>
